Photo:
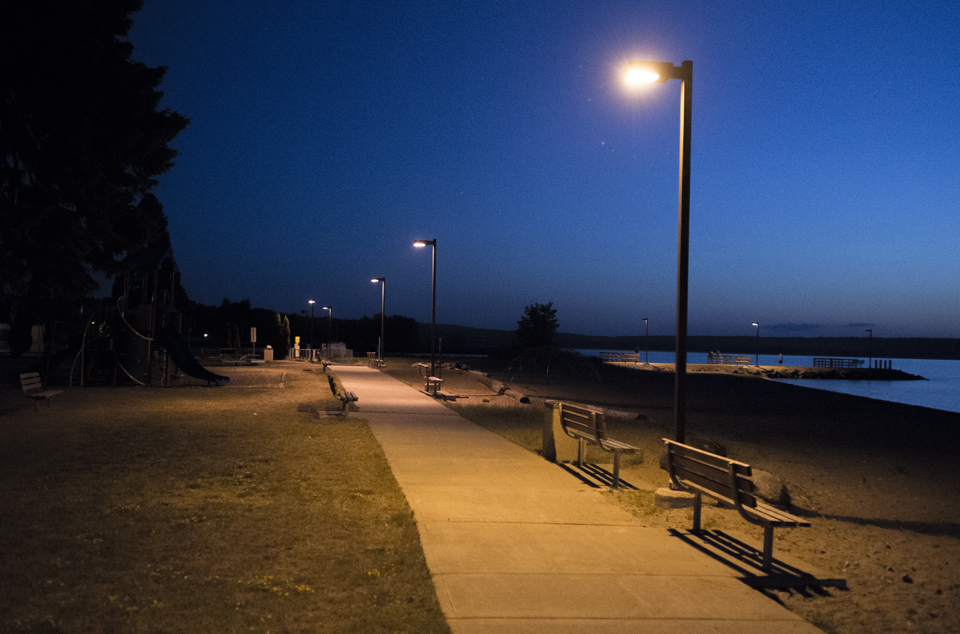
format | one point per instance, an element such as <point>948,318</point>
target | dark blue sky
<point>327,135</point>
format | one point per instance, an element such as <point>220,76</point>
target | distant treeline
<point>406,335</point>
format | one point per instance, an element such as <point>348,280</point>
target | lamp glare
<point>641,76</point>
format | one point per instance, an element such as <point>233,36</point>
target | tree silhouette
<point>281,337</point>
<point>82,140</point>
<point>538,326</point>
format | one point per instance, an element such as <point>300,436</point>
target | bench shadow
<point>747,561</point>
<point>935,529</point>
<point>594,475</point>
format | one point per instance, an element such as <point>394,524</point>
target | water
<point>940,391</point>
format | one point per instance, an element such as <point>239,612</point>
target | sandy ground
<point>879,481</point>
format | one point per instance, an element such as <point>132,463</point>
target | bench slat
<point>620,446</point>
<point>711,473</point>
<point>687,451</point>
<point>782,518</point>
<point>721,477</point>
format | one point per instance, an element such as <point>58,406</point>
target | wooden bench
<point>346,398</point>
<point>33,388</point>
<point>431,383</point>
<point>588,426</point>
<point>730,483</point>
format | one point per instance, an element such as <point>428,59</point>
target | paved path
<point>518,544</point>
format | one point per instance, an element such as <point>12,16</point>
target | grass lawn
<point>194,509</point>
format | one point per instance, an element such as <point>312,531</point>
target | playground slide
<point>179,351</point>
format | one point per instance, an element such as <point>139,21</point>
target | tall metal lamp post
<point>329,310</point>
<point>433,313</point>
<point>757,324</point>
<point>383,300</point>
<point>640,72</point>
<point>311,302</point>
<point>870,347</point>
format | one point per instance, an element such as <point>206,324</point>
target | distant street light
<point>329,310</point>
<point>311,302</point>
<point>639,72</point>
<point>757,324</point>
<point>870,347</point>
<point>646,341</point>
<point>433,314</point>
<point>383,301</point>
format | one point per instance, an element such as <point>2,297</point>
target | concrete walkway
<point>518,544</point>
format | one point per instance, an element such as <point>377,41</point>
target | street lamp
<point>433,314</point>
<point>646,341</point>
<point>870,347</point>
<point>311,302</point>
<point>329,310</point>
<point>757,324</point>
<point>639,72</point>
<point>383,300</point>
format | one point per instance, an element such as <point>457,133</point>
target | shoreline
<point>782,371</point>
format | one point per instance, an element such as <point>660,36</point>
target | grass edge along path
<point>205,510</point>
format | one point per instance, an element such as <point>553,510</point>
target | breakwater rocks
<point>794,372</point>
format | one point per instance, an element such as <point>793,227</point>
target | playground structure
<point>137,338</point>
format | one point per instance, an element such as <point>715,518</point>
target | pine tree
<point>82,140</point>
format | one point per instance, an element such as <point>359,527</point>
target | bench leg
<point>616,470</point>
<point>696,512</point>
<point>767,548</point>
<point>581,447</point>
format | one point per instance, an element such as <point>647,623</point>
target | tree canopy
<point>538,326</point>
<point>82,140</point>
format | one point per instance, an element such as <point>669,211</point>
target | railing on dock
<point>620,357</point>
<point>715,358</point>
<point>833,362</point>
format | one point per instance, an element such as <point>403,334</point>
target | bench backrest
<point>583,420</point>
<point>30,382</point>
<point>729,481</point>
